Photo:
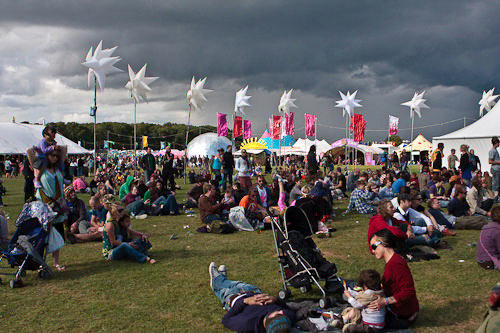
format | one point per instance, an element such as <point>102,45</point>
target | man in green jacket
<point>125,188</point>
<point>491,322</point>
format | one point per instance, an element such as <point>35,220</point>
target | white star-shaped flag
<point>139,84</point>
<point>196,95</point>
<point>348,103</point>
<point>416,103</point>
<point>100,63</point>
<point>487,102</point>
<point>241,100</point>
<point>286,102</point>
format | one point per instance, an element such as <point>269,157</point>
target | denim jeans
<point>136,208</point>
<point>125,251</point>
<point>227,176</point>
<point>170,204</point>
<point>213,217</point>
<point>224,289</point>
<point>495,182</point>
<point>424,239</point>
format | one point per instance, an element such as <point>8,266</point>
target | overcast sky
<point>385,49</point>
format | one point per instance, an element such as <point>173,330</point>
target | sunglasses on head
<point>375,245</point>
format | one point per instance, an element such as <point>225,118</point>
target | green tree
<point>394,138</point>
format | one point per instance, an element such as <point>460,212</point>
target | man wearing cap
<point>248,309</point>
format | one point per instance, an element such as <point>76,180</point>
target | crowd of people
<point>405,210</point>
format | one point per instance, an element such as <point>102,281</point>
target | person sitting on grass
<point>386,191</point>
<point>459,208</point>
<point>360,200</point>
<point>443,219</point>
<point>125,188</point>
<point>359,317</point>
<point>134,204</point>
<point>248,309</point>
<point>384,219</point>
<point>119,241</point>
<point>253,211</point>
<point>397,281</point>
<point>194,194</point>
<point>210,209</point>
<point>488,246</point>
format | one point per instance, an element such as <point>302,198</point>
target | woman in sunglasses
<point>400,297</point>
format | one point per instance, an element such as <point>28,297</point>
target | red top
<point>377,223</point>
<point>398,283</point>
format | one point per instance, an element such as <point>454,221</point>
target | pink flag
<point>290,126</point>
<point>393,125</point>
<point>276,127</point>
<point>247,129</point>
<point>221,124</point>
<point>310,124</point>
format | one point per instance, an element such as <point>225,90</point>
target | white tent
<point>17,137</point>
<point>304,145</point>
<point>206,145</point>
<point>477,136</point>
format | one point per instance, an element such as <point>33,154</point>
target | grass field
<point>96,295</point>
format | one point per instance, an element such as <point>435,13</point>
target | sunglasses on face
<point>375,245</point>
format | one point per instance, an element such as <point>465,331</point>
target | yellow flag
<point>144,141</point>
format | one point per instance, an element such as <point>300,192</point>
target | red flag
<point>290,125</point>
<point>238,130</point>
<point>354,121</point>
<point>358,125</point>
<point>276,127</point>
<point>310,124</point>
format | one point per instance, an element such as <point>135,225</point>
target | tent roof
<point>286,141</point>
<point>419,144</point>
<point>206,145</point>
<point>321,145</point>
<point>266,134</point>
<point>485,127</point>
<point>17,137</point>
<point>338,147</point>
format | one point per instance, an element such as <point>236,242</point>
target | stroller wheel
<point>43,274</point>
<point>305,289</point>
<point>324,303</point>
<point>16,283</point>
<point>23,273</point>
<point>283,294</point>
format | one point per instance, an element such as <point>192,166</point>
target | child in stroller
<point>26,248</point>
<point>301,262</point>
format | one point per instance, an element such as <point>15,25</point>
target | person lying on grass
<point>119,241</point>
<point>248,309</point>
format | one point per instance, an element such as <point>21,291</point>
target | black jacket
<point>227,161</point>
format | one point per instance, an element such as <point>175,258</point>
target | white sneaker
<point>141,217</point>
<point>212,270</point>
<point>222,269</point>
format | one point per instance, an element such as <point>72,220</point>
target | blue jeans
<point>170,204</point>
<point>227,176</point>
<point>424,239</point>
<point>214,217</point>
<point>224,289</point>
<point>136,208</point>
<point>125,251</point>
<point>495,182</point>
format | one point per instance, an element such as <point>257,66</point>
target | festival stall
<point>477,136</point>
<point>418,147</point>
<point>321,146</point>
<point>368,153</point>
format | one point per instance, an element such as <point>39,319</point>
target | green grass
<point>96,295</point>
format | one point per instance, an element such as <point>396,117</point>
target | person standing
<point>465,165</point>
<point>494,160</point>
<point>29,177</point>
<point>227,167</point>
<point>244,167</point>
<point>312,162</point>
<point>437,158</point>
<point>475,162</point>
<point>452,159</point>
<point>148,164</point>
<point>167,173</point>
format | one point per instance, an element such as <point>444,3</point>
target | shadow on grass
<point>445,314</point>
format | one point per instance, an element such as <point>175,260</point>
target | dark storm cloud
<point>387,48</point>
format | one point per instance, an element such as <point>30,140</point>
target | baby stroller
<point>301,262</point>
<point>26,249</point>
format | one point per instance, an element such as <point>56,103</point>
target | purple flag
<point>247,129</point>
<point>221,124</point>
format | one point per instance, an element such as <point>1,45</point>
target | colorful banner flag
<point>162,145</point>
<point>393,125</point>
<point>238,130</point>
<point>358,125</point>
<point>310,124</point>
<point>290,125</point>
<point>276,127</point>
<point>221,124</point>
<point>144,141</point>
<point>247,129</point>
